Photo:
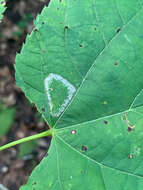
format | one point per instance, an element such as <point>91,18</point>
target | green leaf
<point>2,8</point>
<point>82,66</point>
<point>6,119</point>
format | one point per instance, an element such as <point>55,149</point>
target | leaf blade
<point>93,131</point>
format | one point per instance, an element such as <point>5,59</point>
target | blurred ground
<point>15,167</point>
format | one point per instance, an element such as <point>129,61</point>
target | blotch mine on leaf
<point>54,84</point>
<point>84,148</point>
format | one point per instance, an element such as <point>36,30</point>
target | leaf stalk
<point>26,139</point>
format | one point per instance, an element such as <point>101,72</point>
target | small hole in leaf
<point>131,128</point>
<point>66,27</point>
<point>105,122</point>
<point>51,89</point>
<point>73,132</point>
<point>116,63</point>
<point>43,22</point>
<point>130,156</point>
<point>35,183</point>
<point>35,30</point>
<point>118,30</point>
<point>60,1</point>
<point>84,148</point>
<point>80,46</point>
<point>43,110</point>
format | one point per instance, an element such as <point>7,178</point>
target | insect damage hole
<point>118,30</point>
<point>131,128</point>
<point>84,148</point>
<point>73,132</point>
<point>130,156</point>
<point>116,63</point>
<point>35,30</point>
<point>66,27</point>
<point>105,122</point>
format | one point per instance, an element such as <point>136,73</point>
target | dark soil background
<point>17,22</point>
